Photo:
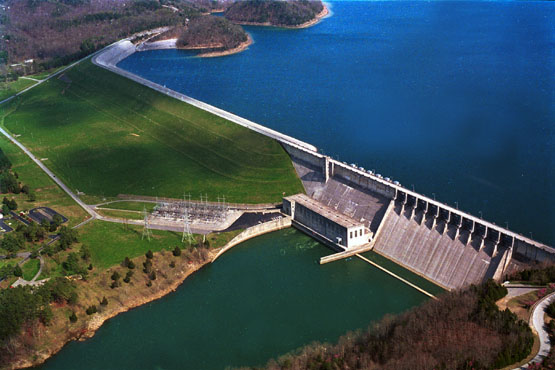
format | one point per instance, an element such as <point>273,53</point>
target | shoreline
<point>317,18</point>
<point>171,44</point>
<point>212,54</point>
<point>91,326</point>
<point>97,321</point>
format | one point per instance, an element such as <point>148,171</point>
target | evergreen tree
<point>17,271</point>
<point>91,310</point>
<point>12,204</point>
<point>85,253</point>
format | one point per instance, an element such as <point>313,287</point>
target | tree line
<point>9,183</point>
<point>25,307</point>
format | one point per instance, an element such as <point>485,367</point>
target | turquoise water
<point>455,97</point>
<point>263,298</point>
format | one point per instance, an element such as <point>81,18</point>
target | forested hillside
<point>211,31</point>
<point>56,32</point>
<point>38,35</point>
<point>274,12</point>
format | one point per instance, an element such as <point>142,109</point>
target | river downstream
<point>261,299</point>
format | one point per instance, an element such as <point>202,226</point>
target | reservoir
<point>453,97</point>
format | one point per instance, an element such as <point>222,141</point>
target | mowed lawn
<point>12,88</point>
<point>47,192</point>
<point>110,243</point>
<point>105,135</point>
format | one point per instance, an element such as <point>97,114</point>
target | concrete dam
<point>353,210</point>
<point>451,248</point>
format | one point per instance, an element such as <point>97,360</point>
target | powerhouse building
<point>334,226</point>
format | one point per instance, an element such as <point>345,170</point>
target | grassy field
<point>30,268</point>
<point>9,262</point>
<point>110,243</point>
<point>118,213</point>
<point>44,74</point>
<point>105,135</point>
<point>130,206</point>
<point>14,87</point>
<point>47,192</point>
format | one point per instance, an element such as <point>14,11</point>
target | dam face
<point>447,246</point>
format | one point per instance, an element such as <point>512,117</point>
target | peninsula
<point>209,35</point>
<point>284,14</point>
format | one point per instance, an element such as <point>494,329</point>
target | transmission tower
<point>146,230</point>
<point>187,235</point>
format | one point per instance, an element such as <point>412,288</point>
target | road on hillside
<point>50,174</point>
<point>538,323</point>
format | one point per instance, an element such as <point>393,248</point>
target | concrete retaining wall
<point>311,158</point>
<point>254,231</point>
<point>361,179</point>
<point>531,252</point>
<point>114,54</point>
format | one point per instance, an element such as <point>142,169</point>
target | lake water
<point>456,98</point>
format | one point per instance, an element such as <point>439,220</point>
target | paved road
<point>50,174</point>
<point>41,259</point>
<point>20,255</point>
<point>518,291</point>
<point>27,255</point>
<point>538,324</point>
<point>54,74</point>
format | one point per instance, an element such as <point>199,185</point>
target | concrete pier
<point>254,231</point>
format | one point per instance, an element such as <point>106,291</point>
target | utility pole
<point>146,230</point>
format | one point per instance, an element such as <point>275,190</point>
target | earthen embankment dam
<point>445,245</point>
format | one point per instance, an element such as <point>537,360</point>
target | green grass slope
<point>12,88</point>
<point>106,135</point>
<point>47,192</point>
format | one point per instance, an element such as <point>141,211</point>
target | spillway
<point>441,256</point>
<point>445,245</point>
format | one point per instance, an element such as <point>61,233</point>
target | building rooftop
<point>328,212</point>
